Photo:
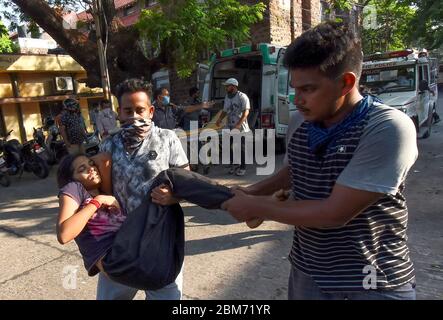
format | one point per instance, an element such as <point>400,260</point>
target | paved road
<point>224,259</point>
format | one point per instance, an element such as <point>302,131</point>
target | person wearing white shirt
<point>106,120</point>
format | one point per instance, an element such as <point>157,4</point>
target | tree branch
<point>51,21</point>
<point>124,59</point>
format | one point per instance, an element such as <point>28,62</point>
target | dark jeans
<point>194,187</point>
<point>243,155</point>
<point>303,287</point>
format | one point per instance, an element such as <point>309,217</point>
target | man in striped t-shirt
<point>346,164</point>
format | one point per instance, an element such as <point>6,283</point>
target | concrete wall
<point>280,22</point>
<point>85,113</point>
<point>11,120</point>
<point>260,32</point>
<point>5,86</point>
<point>34,84</point>
<point>31,117</point>
<point>284,20</point>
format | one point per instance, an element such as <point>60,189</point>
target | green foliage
<point>34,30</point>
<point>394,21</point>
<point>341,4</point>
<point>427,25</point>
<point>14,15</point>
<point>193,26</point>
<point>402,23</point>
<point>6,45</point>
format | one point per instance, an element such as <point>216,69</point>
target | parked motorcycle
<point>4,177</point>
<point>24,157</point>
<point>53,143</point>
<point>39,146</point>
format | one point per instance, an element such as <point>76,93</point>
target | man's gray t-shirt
<point>132,175</point>
<point>384,155</point>
<point>234,108</point>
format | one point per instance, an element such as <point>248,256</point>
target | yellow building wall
<point>85,113</point>
<point>31,118</point>
<point>35,77</point>
<point>83,88</point>
<point>46,63</point>
<point>11,120</point>
<point>5,87</point>
<point>35,85</point>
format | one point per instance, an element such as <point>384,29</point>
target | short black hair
<point>133,85</point>
<point>159,92</point>
<point>333,47</point>
<point>104,101</point>
<point>193,91</point>
<point>65,171</point>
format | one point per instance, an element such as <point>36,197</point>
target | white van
<point>403,80</point>
<point>262,76</point>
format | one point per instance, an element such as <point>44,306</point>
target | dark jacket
<point>166,117</point>
<point>148,250</point>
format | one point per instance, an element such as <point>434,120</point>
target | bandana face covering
<point>320,138</point>
<point>232,94</point>
<point>134,131</point>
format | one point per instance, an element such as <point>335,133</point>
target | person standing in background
<point>93,116</point>
<point>236,107</point>
<point>106,119</point>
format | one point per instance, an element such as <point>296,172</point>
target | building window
<point>283,76</point>
<point>129,10</point>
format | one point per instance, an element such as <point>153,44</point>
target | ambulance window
<point>290,88</point>
<point>433,75</point>
<point>282,80</point>
<point>426,74</point>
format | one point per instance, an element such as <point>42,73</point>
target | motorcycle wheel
<point>15,158</point>
<point>15,163</point>
<point>60,154</point>
<point>51,158</point>
<point>39,167</point>
<point>4,180</point>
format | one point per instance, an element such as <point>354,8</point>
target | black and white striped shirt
<point>373,155</point>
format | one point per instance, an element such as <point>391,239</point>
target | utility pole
<point>97,12</point>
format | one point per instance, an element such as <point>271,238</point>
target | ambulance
<point>262,77</point>
<point>406,80</point>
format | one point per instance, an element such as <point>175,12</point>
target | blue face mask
<point>166,100</point>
